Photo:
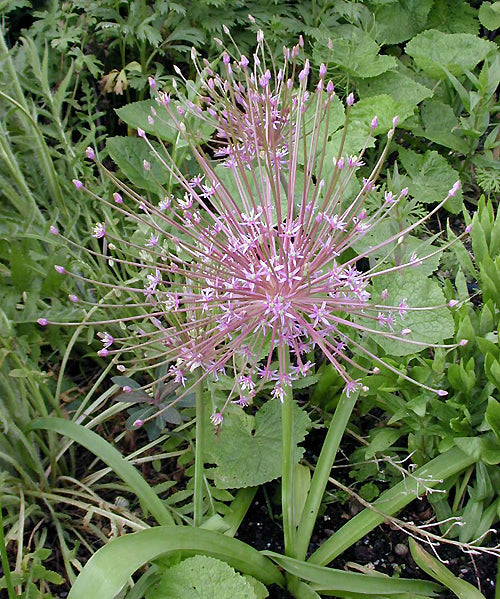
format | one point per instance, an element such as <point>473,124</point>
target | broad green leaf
<point>458,52</point>
<point>330,580</point>
<point>437,122</point>
<point>355,53</point>
<point>129,154</point>
<point>401,20</point>
<point>136,116</point>
<point>110,568</point>
<point>427,326</point>
<point>110,456</point>
<point>431,177</point>
<point>382,106</point>
<point>433,567</point>
<point>489,15</point>
<point>485,448</point>
<point>247,451</point>
<point>405,91</point>
<point>201,577</point>
<point>453,16</point>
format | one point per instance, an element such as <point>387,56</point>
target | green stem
<point>319,481</point>
<point>199,454</point>
<point>287,460</point>
<point>5,560</point>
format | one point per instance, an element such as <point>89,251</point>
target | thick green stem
<point>287,460</point>
<point>322,472</point>
<point>199,481</point>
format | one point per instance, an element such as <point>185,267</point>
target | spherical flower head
<point>254,269</point>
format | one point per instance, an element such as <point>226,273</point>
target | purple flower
<point>245,261</point>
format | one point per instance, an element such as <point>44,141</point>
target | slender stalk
<point>287,459</point>
<point>5,560</point>
<point>199,454</point>
<point>319,481</point>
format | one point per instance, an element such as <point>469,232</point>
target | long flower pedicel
<point>255,254</point>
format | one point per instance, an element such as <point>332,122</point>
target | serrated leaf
<point>247,450</point>
<point>129,154</point>
<point>136,116</point>
<point>405,91</point>
<point>355,52</point>
<point>438,123</point>
<point>201,577</point>
<point>489,15</point>
<point>431,177</point>
<point>428,326</point>
<point>458,52</point>
<point>401,20</point>
<point>453,16</point>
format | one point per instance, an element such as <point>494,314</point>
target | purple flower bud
<point>73,298</point>
<point>301,41</point>
<point>384,294</point>
<point>244,62</point>
<point>54,230</point>
<point>103,353</point>
<point>395,121</point>
<point>180,111</point>
<point>78,184</point>
<point>374,123</point>
<point>260,36</point>
<point>295,51</point>
<point>330,88</point>
<point>151,120</point>
<point>404,192</point>
<point>330,44</point>
<point>322,70</point>
<point>442,392</point>
<point>117,198</point>
<point>464,342</point>
<point>146,165</point>
<point>43,322</point>
<point>454,189</point>
<point>152,83</point>
<point>453,303</point>
<point>137,423</point>
<point>60,269</point>
<point>350,99</point>
<point>141,132</point>
<point>90,153</point>
<point>126,389</point>
<point>468,228</point>
<point>226,59</point>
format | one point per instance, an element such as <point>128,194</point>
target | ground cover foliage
<point>75,74</point>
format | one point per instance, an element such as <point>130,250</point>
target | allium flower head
<point>253,263</point>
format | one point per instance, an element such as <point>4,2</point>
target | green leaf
<point>405,91</point>
<point>493,416</point>
<point>489,15</point>
<point>382,106</point>
<point>438,123</point>
<point>110,456</point>
<point>129,154</point>
<point>110,568</point>
<point>330,580</point>
<point>401,20</point>
<point>428,326</point>
<point>458,52</point>
<point>355,53</point>
<point>136,116</point>
<point>391,501</point>
<point>453,16</point>
<point>201,577</point>
<point>433,567</point>
<point>431,177</point>
<point>248,449</point>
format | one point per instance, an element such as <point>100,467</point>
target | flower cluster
<point>252,264</point>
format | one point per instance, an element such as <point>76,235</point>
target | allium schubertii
<point>254,262</point>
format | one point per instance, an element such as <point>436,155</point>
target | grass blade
<point>110,456</point>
